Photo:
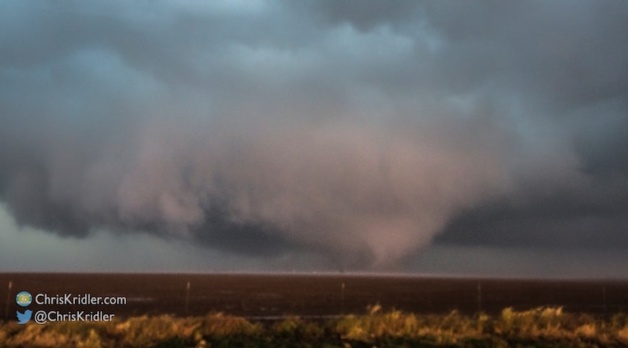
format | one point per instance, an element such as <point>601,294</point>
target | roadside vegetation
<point>540,327</point>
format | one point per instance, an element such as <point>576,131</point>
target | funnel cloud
<point>360,132</point>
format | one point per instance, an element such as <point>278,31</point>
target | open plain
<point>268,296</point>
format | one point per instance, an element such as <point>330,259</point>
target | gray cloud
<point>357,133</point>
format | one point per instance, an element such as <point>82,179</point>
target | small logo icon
<point>23,318</point>
<point>24,298</point>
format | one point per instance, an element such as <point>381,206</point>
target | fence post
<point>604,299</point>
<point>6,308</point>
<point>187,297</point>
<point>342,298</point>
<point>479,297</point>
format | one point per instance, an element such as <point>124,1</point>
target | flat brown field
<point>268,296</point>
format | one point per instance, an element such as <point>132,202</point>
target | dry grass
<point>547,327</point>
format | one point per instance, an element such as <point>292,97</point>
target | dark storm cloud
<point>360,132</point>
<point>562,66</point>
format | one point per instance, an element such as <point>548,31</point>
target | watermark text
<point>82,299</point>
<point>42,317</point>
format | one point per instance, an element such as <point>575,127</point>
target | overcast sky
<point>466,138</point>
